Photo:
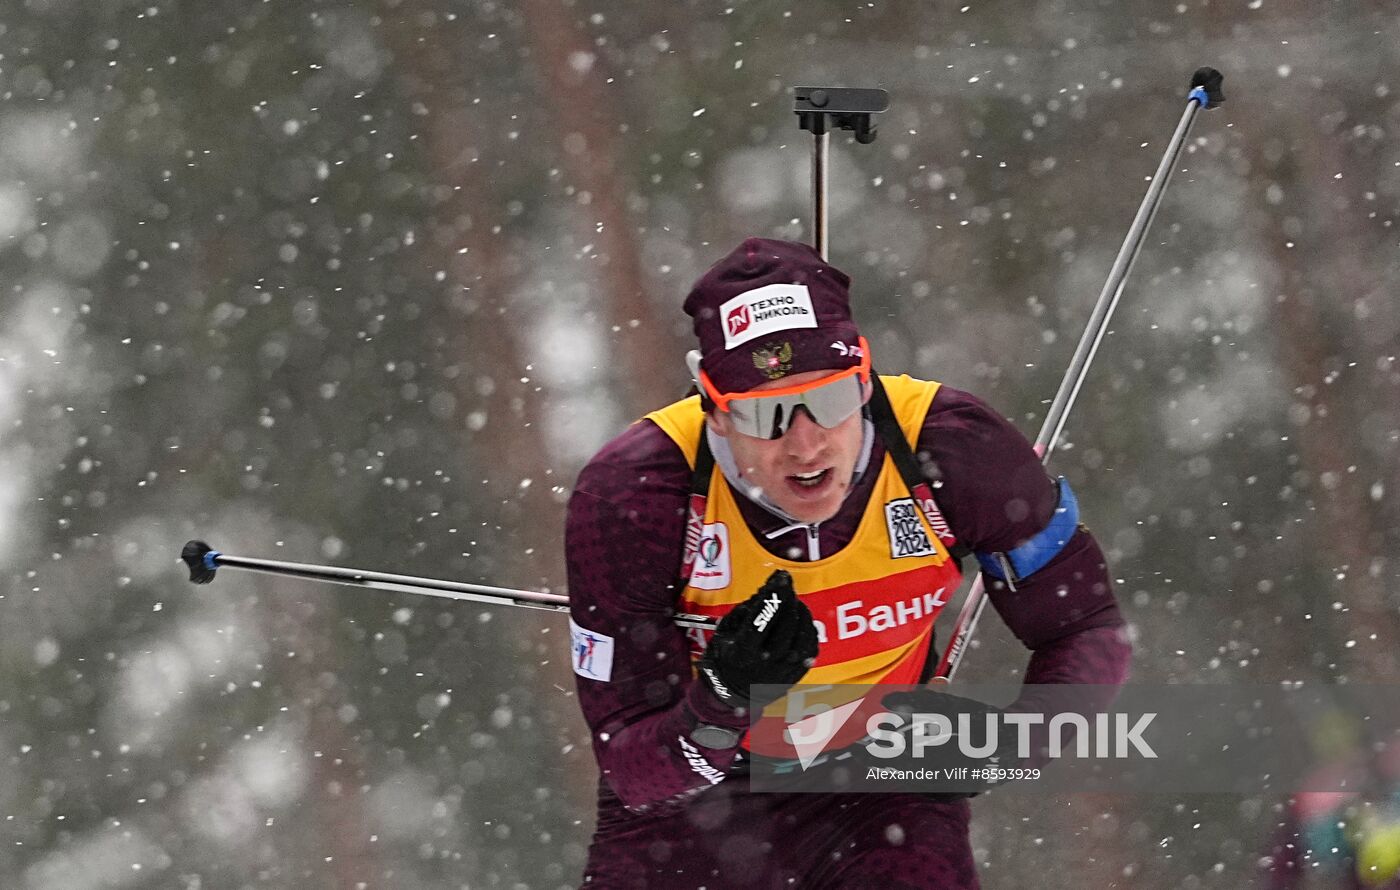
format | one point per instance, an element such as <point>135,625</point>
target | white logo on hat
<point>763,310</point>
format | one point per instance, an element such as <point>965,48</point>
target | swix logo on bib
<point>763,310</point>
<point>907,536</point>
<point>711,571</point>
<point>592,652</point>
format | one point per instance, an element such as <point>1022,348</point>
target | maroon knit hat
<point>771,309</point>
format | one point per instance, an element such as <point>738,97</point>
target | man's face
<point>808,470</point>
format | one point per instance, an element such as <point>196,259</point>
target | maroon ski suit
<point>661,822</point>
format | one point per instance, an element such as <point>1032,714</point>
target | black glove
<point>767,639</point>
<point>928,700</point>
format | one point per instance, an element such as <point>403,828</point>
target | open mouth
<point>812,480</point>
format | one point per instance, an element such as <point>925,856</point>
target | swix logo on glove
<point>763,310</point>
<point>720,689</point>
<point>770,608</point>
<point>592,653</point>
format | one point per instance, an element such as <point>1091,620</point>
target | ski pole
<point>1205,93</point>
<point>204,561</point>
<point>820,110</point>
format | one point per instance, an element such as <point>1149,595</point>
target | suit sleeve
<point>996,495</point>
<point>622,543</point>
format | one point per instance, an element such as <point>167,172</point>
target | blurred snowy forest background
<point>366,282</point>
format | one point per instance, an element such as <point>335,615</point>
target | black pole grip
<point>193,554</point>
<point>1209,80</point>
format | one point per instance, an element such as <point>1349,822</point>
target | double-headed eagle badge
<point>773,361</point>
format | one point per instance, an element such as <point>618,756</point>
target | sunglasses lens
<point>769,417</point>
